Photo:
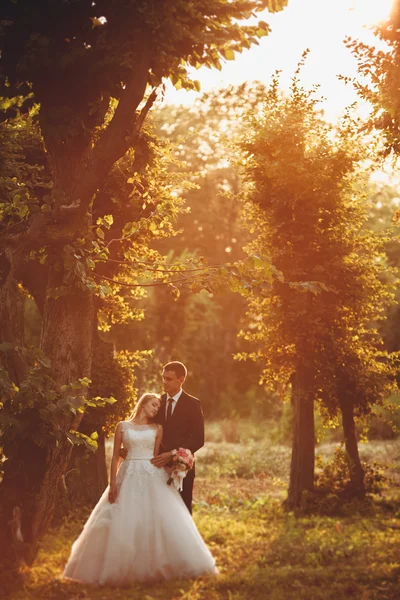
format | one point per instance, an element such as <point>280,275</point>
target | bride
<point>140,530</point>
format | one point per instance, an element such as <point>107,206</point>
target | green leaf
<point>76,385</point>
<point>91,444</point>
<point>229,54</point>
<point>127,229</point>
<point>110,400</point>
<point>197,85</point>
<point>100,233</point>
<point>154,229</point>
<point>76,401</point>
<point>107,289</point>
<point>234,271</point>
<point>77,438</point>
<point>45,362</point>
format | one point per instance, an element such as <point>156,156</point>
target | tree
<point>378,81</point>
<point>314,319</point>
<point>91,70</point>
<point>212,230</point>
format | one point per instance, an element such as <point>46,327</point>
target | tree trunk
<point>12,332</point>
<point>30,487</point>
<point>302,462</point>
<point>356,488</point>
<point>86,466</point>
<point>94,470</point>
<point>87,475</point>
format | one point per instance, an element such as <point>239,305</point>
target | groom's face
<point>172,383</point>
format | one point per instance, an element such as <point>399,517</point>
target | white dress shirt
<point>174,401</point>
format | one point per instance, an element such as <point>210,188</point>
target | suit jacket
<point>185,428</point>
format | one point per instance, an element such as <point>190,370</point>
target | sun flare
<point>319,25</point>
<point>372,12</point>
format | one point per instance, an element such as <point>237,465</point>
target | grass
<point>263,552</point>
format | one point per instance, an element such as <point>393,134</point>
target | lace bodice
<point>139,440</point>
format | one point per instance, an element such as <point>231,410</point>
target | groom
<point>182,419</point>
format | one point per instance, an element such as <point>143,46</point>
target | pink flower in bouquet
<point>182,462</point>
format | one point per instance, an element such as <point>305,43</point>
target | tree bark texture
<point>67,341</point>
<point>87,466</point>
<point>31,483</point>
<point>356,488</point>
<point>303,445</point>
<point>12,323</point>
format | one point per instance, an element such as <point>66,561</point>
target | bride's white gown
<point>147,534</point>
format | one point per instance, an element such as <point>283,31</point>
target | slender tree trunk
<point>87,475</point>
<point>356,488</point>
<point>95,470</point>
<point>302,463</point>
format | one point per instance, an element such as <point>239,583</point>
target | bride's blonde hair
<point>141,403</point>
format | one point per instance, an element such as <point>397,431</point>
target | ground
<point>263,552</point>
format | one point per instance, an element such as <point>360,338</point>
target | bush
<point>330,495</point>
<point>384,424</point>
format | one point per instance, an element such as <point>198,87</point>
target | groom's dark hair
<point>177,367</point>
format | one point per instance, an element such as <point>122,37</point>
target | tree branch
<point>143,113</point>
<point>135,285</point>
<point>114,141</point>
<point>155,270</point>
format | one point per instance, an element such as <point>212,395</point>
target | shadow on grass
<point>263,552</point>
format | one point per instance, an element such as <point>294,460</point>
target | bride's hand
<point>112,494</point>
<point>162,459</point>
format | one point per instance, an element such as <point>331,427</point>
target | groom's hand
<point>162,459</point>
<point>123,452</point>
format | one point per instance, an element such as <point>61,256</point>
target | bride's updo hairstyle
<point>141,403</point>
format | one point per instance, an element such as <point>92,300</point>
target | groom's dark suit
<point>183,429</point>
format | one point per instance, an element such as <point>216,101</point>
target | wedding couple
<point>141,530</point>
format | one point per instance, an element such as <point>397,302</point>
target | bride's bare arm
<point>158,440</point>
<point>114,463</point>
<point>163,459</point>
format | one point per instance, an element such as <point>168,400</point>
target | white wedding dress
<point>148,534</point>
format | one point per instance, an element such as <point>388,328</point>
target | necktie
<point>169,409</point>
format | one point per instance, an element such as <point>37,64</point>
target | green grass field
<point>262,551</point>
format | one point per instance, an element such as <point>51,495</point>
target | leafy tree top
<point>324,293</point>
<point>379,69</point>
<point>89,65</point>
<point>79,53</point>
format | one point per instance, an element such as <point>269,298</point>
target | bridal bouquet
<point>182,462</point>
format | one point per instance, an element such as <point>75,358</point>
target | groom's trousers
<point>187,492</point>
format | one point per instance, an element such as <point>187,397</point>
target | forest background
<point>197,242</point>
